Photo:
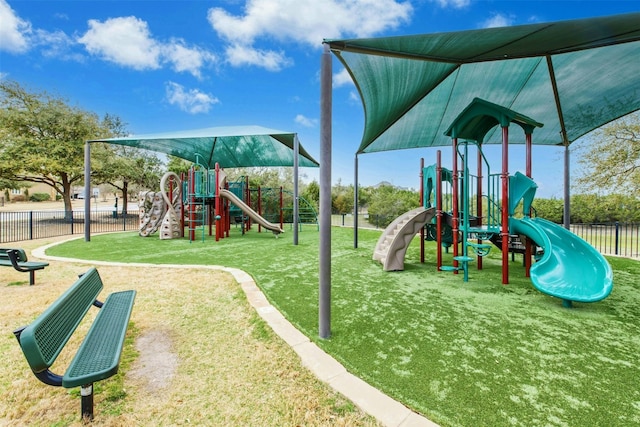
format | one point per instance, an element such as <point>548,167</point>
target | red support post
<point>421,186</point>
<point>454,198</point>
<point>479,200</point>
<point>218,205</point>
<point>438,187</point>
<point>504,232</point>
<point>182,198</point>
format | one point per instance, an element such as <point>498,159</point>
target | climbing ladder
<point>200,190</point>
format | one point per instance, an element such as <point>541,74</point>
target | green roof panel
<point>572,76</point>
<point>230,147</point>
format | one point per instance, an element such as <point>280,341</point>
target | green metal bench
<point>17,258</point>
<point>99,354</point>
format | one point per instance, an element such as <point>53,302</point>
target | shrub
<point>39,197</point>
<point>18,198</point>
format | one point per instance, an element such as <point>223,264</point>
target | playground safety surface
<point>386,410</point>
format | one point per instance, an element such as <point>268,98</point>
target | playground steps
<point>392,244</point>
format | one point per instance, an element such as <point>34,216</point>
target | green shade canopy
<point>572,76</point>
<point>229,146</point>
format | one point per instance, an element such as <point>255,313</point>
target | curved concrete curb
<point>388,411</point>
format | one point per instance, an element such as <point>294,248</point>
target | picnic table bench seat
<point>98,357</point>
<point>17,258</point>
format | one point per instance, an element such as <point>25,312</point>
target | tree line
<point>42,140</point>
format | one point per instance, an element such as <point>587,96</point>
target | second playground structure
<point>472,213</point>
<point>202,198</point>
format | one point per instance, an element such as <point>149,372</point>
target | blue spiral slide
<point>570,268</point>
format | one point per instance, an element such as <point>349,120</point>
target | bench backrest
<point>22,256</point>
<point>43,340</point>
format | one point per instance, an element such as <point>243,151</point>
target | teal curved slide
<point>570,268</point>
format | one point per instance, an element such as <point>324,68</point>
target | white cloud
<point>239,55</point>
<point>354,98</point>
<point>184,58</point>
<point>302,21</point>
<point>498,20</point>
<point>455,4</point>
<point>342,78</point>
<point>127,41</point>
<point>14,32</point>
<point>55,44</point>
<point>192,101</point>
<point>305,121</point>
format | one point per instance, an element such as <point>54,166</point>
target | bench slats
<point>99,354</point>
<point>22,255</point>
<point>43,340</point>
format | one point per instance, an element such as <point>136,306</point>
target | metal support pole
<point>567,189</point>
<point>87,192</point>
<point>296,150</point>
<point>355,202</point>
<point>86,401</point>
<point>528,244</point>
<point>324,294</point>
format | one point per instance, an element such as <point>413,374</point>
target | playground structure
<point>471,213</point>
<point>207,198</point>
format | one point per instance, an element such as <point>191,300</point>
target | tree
<point>312,193</point>
<point>42,139</point>
<point>550,209</point>
<point>342,198</point>
<point>121,167</point>
<point>178,165</point>
<point>388,202</point>
<point>611,162</point>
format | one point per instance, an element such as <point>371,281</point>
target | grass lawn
<point>476,353</point>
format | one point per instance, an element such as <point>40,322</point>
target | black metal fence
<point>28,225</point>
<point>616,238</point>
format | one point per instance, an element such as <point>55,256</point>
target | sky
<point>164,65</point>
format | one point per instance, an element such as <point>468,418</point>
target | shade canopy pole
<point>355,202</point>
<point>324,288</point>
<point>87,190</point>
<point>567,188</point>
<point>296,150</point>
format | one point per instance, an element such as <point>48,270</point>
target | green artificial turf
<point>463,354</point>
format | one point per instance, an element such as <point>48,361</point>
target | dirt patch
<point>157,362</point>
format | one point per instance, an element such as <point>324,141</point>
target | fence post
<point>30,225</point>
<point>71,216</point>
<point>617,237</point>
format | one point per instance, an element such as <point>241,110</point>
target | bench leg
<point>32,277</point>
<point>86,404</point>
